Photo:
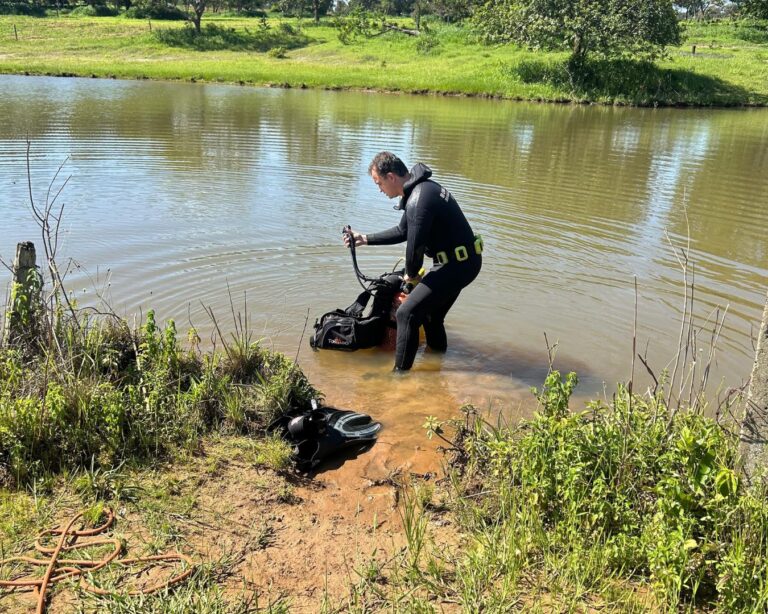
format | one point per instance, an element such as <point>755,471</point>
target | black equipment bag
<point>348,329</point>
<point>336,330</point>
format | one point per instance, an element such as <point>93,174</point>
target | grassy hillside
<point>730,66</point>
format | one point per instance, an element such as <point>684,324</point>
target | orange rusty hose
<point>69,568</point>
<point>149,589</point>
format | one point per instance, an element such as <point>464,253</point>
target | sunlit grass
<point>626,507</point>
<point>730,66</point>
<point>160,508</point>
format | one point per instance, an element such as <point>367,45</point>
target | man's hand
<point>411,281</point>
<point>360,238</point>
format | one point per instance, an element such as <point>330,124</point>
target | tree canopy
<point>754,8</point>
<point>606,28</point>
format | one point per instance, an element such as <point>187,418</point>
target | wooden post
<point>15,32</point>
<point>754,425</point>
<point>25,293</point>
<point>693,49</point>
<point>150,24</point>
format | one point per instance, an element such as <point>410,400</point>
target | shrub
<point>22,8</point>
<point>156,11</point>
<point>110,393</point>
<point>215,37</point>
<point>631,487</point>
<point>99,10</point>
<point>427,44</point>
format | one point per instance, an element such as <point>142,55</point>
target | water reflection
<point>222,195</point>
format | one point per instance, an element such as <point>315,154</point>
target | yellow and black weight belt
<point>460,253</point>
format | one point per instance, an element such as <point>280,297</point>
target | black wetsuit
<point>432,222</point>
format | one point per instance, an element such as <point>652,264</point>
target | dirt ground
<point>312,544</point>
<point>305,540</point>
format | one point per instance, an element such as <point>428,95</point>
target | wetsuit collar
<point>420,172</point>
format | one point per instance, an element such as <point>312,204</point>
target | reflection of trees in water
<point>637,168</point>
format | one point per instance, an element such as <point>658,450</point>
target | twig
<point>550,351</point>
<point>712,346</point>
<point>690,345</point>
<point>211,315</point>
<point>301,339</point>
<point>683,262</point>
<point>651,373</point>
<point>634,351</point>
<point>50,236</point>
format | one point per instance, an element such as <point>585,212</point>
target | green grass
<point>166,506</point>
<point>448,60</point>
<point>102,394</point>
<point>624,507</point>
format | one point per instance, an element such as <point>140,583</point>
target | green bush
<point>214,37</point>
<point>22,8</point>
<point>99,10</point>
<point>156,11</point>
<point>108,394</point>
<point>632,488</point>
<point>428,44</point>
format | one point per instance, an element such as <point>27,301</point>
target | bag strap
<point>361,302</point>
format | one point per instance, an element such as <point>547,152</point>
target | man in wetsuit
<point>434,226</point>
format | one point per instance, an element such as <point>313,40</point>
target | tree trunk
<point>578,48</point>
<point>198,8</point>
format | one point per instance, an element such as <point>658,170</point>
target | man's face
<point>388,184</point>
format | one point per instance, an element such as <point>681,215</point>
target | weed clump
<point>104,393</point>
<point>216,38</point>
<point>620,492</point>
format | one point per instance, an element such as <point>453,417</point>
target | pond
<point>183,197</point>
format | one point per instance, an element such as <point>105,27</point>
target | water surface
<point>182,196</point>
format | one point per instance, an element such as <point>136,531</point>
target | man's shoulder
<point>427,190</point>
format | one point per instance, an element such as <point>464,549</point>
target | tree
<point>451,10</point>
<point>319,8</point>
<point>605,28</point>
<point>754,8</point>
<point>198,8</point>
<point>701,9</point>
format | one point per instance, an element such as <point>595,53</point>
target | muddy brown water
<point>185,195</point>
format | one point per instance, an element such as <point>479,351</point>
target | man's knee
<point>403,315</point>
<point>436,338</point>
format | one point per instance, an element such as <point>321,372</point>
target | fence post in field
<point>22,308</point>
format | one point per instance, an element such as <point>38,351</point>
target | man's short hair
<point>386,162</point>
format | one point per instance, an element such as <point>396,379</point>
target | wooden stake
<point>25,292</point>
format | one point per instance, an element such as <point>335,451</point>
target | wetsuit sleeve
<point>396,234</point>
<point>420,212</point>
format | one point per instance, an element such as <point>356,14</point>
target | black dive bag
<point>351,329</point>
<point>321,432</point>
